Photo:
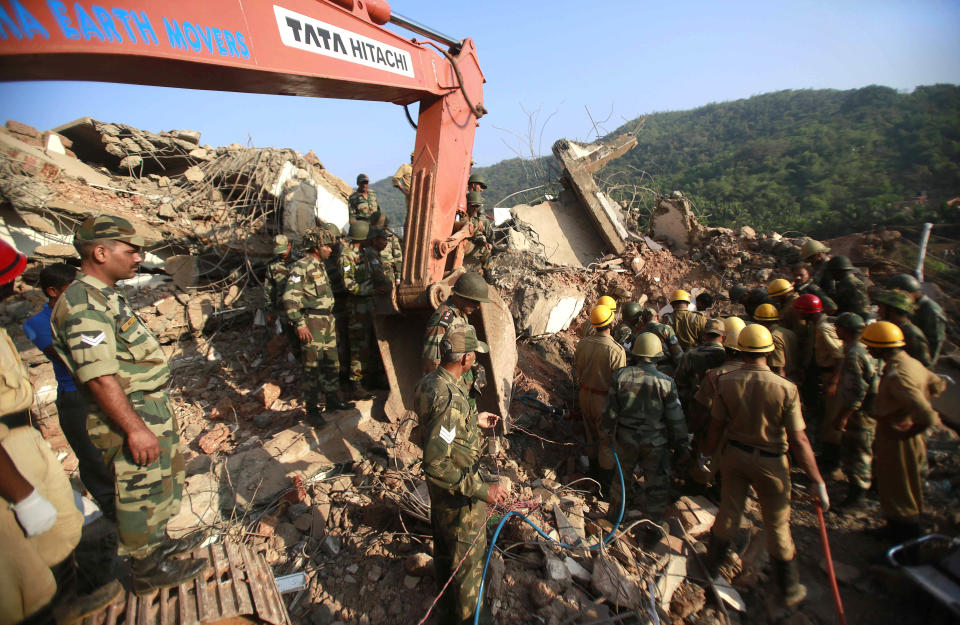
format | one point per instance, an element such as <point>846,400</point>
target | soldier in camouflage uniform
<point>335,275</point>
<point>695,363</point>
<point>644,418</point>
<point>896,307</point>
<point>649,322</point>
<point>360,265</point>
<point>123,371</point>
<point>391,256</point>
<point>858,386</point>
<point>849,292</point>
<point>623,333</point>
<point>273,283</point>
<point>927,315</point>
<point>308,307</point>
<point>362,202</point>
<point>804,283</point>
<point>816,254</point>
<point>480,244</point>
<point>458,494</point>
<point>476,182</point>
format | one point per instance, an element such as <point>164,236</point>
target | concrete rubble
<point>348,504</point>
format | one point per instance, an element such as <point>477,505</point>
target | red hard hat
<point>12,262</point>
<point>808,304</point>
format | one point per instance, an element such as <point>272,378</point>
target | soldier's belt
<point>750,449</point>
<point>592,390</point>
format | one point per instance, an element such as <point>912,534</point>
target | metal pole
<point>924,238</point>
<point>420,29</point>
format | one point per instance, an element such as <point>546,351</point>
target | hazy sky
<point>620,59</point>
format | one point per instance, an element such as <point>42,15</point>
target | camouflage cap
<point>316,238</point>
<point>851,321</point>
<point>463,339</point>
<point>893,298</point>
<point>715,326</point>
<point>108,228</point>
<point>280,243</point>
<point>377,231</point>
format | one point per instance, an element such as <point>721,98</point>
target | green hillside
<point>823,162</point>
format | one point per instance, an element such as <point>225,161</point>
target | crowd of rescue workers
<point>812,368</point>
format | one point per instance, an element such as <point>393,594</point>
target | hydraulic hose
<point>503,521</point>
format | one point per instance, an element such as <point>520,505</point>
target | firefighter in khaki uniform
<point>903,413</point>
<point>458,494</point>
<point>784,358</point>
<point>686,323</point>
<point>123,370</point>
<point>781,291</point>
<point>857,390</point>
<point>644,418</point>
<point>595,360</point>
<point>308,307</point>
<point>759,413</point>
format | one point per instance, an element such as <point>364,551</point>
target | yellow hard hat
<point>755,339</point>
<point>648,345</point>
<point>609,302</point>
<point>766,312</point>
<point>779,287</point>
<point>733,326</point>
<point>811,247</point>
<point>680,296</point>
<point>601,316</point>
<point>882,334</point>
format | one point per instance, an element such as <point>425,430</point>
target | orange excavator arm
<point>318,48</point>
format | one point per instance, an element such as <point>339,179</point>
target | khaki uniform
<point>758,408</point>
<point>827,351</point>
<point>595,361</point>
<point>789,318</point>
<point>26,582</point>
<point>644,417</point>
<point>930,318</point>
<point>308,303</point>
<point>96,333</point>
<point>786,352</point>
<point>906,388</point>
<point>688,324</point>
<point>403,178</point>
<point>458,512</point>
<point>700,412</point>
<point>857,390</point>
<point>361,207</point>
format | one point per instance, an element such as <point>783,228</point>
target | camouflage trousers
<point>146,497</point>
<point>459,533</point>
<point>654,495</point>
<point>293,339</point>
<point>858,450</point>
<point>321,364</point>
<point>361,333</point>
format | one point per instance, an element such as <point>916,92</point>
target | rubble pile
<point>347,505</point>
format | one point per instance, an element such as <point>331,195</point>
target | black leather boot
<point>716,555</point>
<point>788,578</point>
<point>150,573</point>
<point>335,403</point>
<point>315,417</point>
<point>359,392</point>
<point>171,547</point>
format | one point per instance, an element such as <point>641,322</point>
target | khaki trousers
<point>898,472</point>
<point>591,409</point>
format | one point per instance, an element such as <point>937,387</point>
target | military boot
<point>855,501</point>
<point>359,392</point>
<point>716,555</point>
<point>170,547</point>
<point>829,459</point>
<point>152,572</point>
<point>788,578</point>
<point>80,606</point>
<point>315,416</point>
<point>335,403</point>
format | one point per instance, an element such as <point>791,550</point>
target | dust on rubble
<point>347,505</point>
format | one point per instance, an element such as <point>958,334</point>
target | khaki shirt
<point>16,391</point>
<point>758,407</point>
<point>403,177</point>
<point>708,388</point>
<point>906,388</point>
<point>827,346</point>
<point>688,324</point>
<point>786,351</point>
<point>596,360</point>
<point>96,333</point>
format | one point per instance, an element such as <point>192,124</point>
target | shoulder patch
<point>448,435</point>
<point>445,318</point>
<point>93,340</point>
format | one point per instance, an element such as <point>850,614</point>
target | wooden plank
<point>239,577</point>
<point>261,582</point>
<point>187,602</point>
<point>226,599</point>
<point>206,597</point>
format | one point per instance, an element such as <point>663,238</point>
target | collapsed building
<point>341,515</point>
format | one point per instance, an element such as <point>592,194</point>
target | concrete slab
<point>567,235</point>
<point>37,159</point>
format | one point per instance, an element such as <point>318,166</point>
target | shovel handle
<point>837,602</point>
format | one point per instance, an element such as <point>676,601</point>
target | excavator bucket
<point>400,338</point>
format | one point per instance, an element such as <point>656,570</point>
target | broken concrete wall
<point>566,233</point>
<point>674,223</point>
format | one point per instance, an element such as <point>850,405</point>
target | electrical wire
<point>506,517</point>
